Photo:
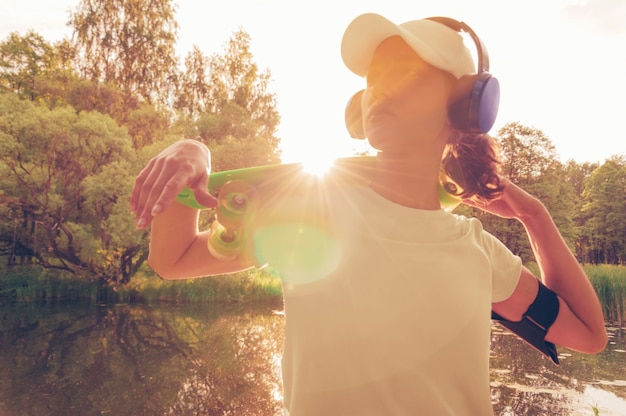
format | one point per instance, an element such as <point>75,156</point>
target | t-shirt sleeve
<point>506,267</point>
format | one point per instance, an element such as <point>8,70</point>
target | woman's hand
<point>184,163</point>
<point>513,203</point>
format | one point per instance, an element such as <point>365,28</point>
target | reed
<point>609,281</point>
<point>250,286</point>
<point>33,283</point>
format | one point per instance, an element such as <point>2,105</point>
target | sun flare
<point>317,166</point>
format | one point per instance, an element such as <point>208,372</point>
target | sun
<point>314,161</point>
<point>319,159</point>
<point>317,166</point>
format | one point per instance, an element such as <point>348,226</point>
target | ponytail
<point>471,161</point>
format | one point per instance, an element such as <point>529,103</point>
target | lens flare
<point>317,167</point>
<point>301,252</point>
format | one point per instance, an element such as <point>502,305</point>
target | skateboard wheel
<point>224,244</point>
<point>234,200</point>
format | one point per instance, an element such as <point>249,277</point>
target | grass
<point>34,283</point>
<point>609,282</point>
<point>29,283</point>
<point>251,286</point>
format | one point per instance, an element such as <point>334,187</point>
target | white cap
<point>434,42</point>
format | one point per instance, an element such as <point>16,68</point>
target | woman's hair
<point>471,162</point>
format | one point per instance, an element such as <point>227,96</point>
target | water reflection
<point>525,383</point>
<point>138,360</point>
<point>225,360</point>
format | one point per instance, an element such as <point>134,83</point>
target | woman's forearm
<point>561,271</point>
<point>178,250</point>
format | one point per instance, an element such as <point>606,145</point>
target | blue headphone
<point>473,106</point>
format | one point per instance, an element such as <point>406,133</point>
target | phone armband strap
<point>536,321</point>
<point>544,309</point>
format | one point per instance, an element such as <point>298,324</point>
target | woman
<point>400,324</point>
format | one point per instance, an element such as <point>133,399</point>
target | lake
<point>136,359</point>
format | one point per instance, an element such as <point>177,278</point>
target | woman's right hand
<point>184,163</point>
<point>513,203</point>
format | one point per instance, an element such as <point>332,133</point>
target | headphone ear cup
<point>474,104</point>
<point>485,102</point>
<point>354,116</point>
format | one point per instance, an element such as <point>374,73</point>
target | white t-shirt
<point>388,309</point>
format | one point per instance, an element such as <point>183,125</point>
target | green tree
<point>78,119</point>
<point>526,152</point>
<point>147,125</point>
<point>604,212</point>
<point>576,174</point>
<point>227,98</point>
<point>66,181</point>
<point>193,89</point>
<point>22,60</point>
<point>38,71</point>
<point>128,43</point>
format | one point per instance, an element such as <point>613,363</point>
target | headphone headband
<point>456,25</point>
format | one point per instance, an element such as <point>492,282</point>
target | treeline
<point>79,118</point>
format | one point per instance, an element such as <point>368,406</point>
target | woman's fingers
<point>184,163</point>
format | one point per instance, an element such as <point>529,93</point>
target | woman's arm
<point>580,322</point>
<point>178,250</point>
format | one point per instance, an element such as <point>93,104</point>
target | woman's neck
<point>408,180</point>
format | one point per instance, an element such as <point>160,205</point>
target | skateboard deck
<point>239,191</point>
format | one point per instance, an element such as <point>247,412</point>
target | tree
<point>128,43</point>
<point>193,87</point>
<point>147,125</point>
<point>526,152</point>
<point>604,211</point>
<point>35,70</point>
<point>228,100</point>
<point>66,178</point>
<point>576,174</point>
<point>22,60</point>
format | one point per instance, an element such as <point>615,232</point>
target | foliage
<point>22,60</point>
<point>604,213</point>
<point>586,200</point>
<point>525,151</point>
<point>128,43</point>
<point>59,167</point>
<point>227,99</point>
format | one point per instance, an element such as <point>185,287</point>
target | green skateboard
<point>239,191</point>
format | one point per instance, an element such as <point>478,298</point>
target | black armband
<point>536,321</point>
<point>544,309</point>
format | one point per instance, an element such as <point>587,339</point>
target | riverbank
<point>30,283</point>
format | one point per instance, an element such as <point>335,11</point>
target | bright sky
<point>560,63</point>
